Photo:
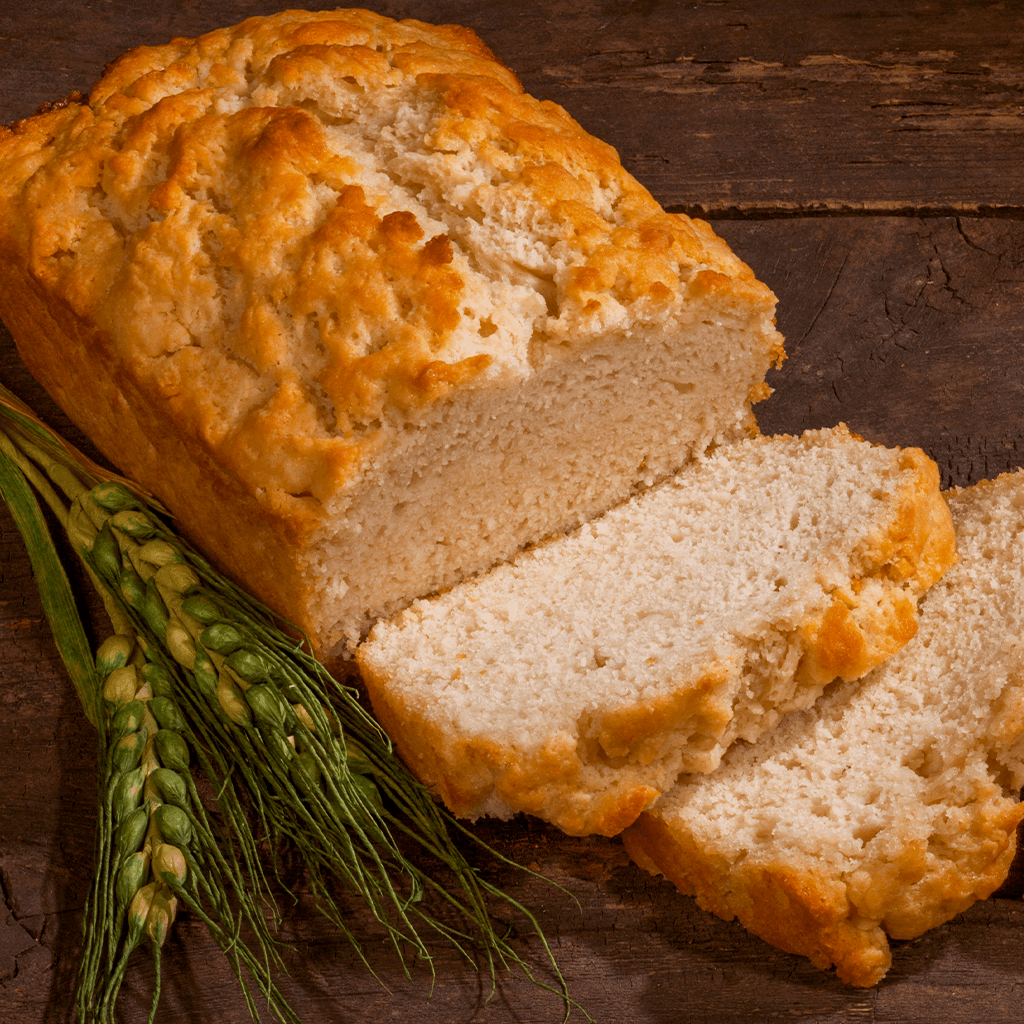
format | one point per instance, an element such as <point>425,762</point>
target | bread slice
<point>362,313</point>
<point>891,805</point>
<point>577,682</point>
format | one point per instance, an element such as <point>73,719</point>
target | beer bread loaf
<point>362,313</point>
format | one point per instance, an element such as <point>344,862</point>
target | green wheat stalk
<point>200,674</point>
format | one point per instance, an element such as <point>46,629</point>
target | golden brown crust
<point>955,870</point>
<point>640,732</point>
<point>853,635</point>
<point>876,615</point>
<point>801,912</point>
<point>840,919</point>
<point>921,545</point>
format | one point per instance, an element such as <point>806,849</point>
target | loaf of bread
<point>891,805</point>
<point>577,682</point>
<point>362,313</point>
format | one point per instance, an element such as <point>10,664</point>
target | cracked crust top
<point>201,207</point>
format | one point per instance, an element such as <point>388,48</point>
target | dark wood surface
<point>867,160</point>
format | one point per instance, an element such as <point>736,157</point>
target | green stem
<point>156,984</point>
<point>56,505</point>
<point>54,587</point>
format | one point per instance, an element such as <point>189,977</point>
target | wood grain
<point>865,160</point>
<point>908,329</point>
<point>724,106</point>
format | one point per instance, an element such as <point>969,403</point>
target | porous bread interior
<point>898,795</point>
<point>651,638</point>
<point>498,469</point>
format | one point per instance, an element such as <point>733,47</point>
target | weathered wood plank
<point>741,106</point>
<point>720,106</point>
<point>908,329</point>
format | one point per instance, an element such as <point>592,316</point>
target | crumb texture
<point>891,805</point>
<point>578,681</point>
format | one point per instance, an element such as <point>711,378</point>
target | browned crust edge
<point>796,911</point>
<point>467,773</point>
<point>853,636</point>
<point>921,545</point>
<point>823,916</point>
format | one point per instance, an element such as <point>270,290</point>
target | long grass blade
<point>55,591</point>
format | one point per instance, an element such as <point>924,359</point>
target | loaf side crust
<point>232,527</point>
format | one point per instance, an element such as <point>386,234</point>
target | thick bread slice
<point>577,682</point>
<point>891,805</point>
<point>365,315</point>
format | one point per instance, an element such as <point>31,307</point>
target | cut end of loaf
<point>495,469</point>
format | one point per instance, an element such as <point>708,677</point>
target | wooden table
<point>867,162</point>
